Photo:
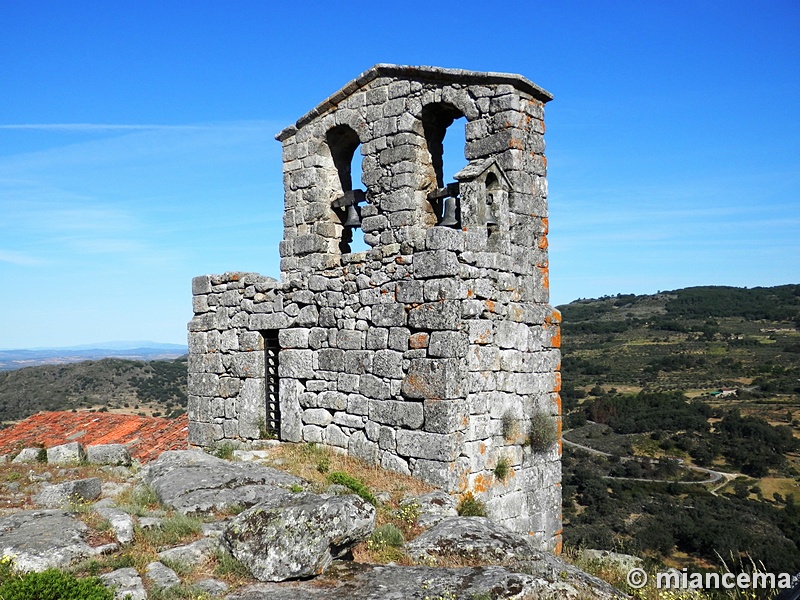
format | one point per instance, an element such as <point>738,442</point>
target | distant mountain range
<point>132,350</point>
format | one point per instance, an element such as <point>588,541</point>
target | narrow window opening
<point>493,191</point>
<point>453,146</point>
<point>272,419</point>
<point>343,143</point>
<point>447,159</point>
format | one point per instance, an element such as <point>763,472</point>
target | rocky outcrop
<point>43,539</point>
<point>193,482</point>
<point>61,494</point>
<point>298,535</point>
<point>346,581</point>
<point>126,583</point>
<point>474,539</point>
<point>290,541</point>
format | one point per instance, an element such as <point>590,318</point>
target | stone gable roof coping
<point>424,73</point>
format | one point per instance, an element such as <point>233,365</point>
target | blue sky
<point>137,150</point>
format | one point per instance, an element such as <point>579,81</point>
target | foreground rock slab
<point>346,581</point>
<point>61,494</point>
<point>193,482</point>
<point>469,538</point>
<point>126,583</point>
<point>298,535</point>
<point>43,539</point>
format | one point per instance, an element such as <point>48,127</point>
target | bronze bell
<point>353,219</point>
<point>490,219</point>
<point>449,219</point>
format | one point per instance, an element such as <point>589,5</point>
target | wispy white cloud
<point>19,258</point>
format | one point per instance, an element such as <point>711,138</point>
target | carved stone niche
<point>484,190</point>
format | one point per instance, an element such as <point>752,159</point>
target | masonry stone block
<point>388,363</point>
<point>446,416</point>
<point>358,361</point>
<point>204,384</point>
<point>334,436</point>
<point>297,364</point>
<point>264,321</point>
<point>440,378</point>
<point>397,413</point>
<point>332,400</point>
<point>435,315</point>
<point>436,263</point>
<point>392,462</point>
<point>388,315</point>
<point>361,447</point>
<point>449,476</point>
<point>371,386</point>
<point>410,292</point>
<point>434,446</point>
<point>312,434</point>
<point>448,344</point>
<point>317,416</point>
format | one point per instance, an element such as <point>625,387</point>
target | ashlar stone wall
<point>429,353</point>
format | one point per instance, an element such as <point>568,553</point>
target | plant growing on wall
<point>543,431</point>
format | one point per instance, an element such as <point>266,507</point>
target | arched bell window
<point>343,143</point>
<point>446,147</point>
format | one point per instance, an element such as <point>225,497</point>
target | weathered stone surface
<point>215,587</point>
<point>126,584</point>
<point>434,378</point>
<point>108,454</point>
<point>120,521</point>
<point>345,581</point>
<point>470,538</point>
<point>194,482</point>
<point>433,507</point>
<point>161,576</point>
<point>43,539</point>
<point>298,535</point>
<point>61,494</point>
<point>27,455</point>
<point>193,554</point>
<point>66,454</point>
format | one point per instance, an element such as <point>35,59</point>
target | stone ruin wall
<point>429,353</point>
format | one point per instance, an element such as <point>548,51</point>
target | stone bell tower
<point>434,352</point>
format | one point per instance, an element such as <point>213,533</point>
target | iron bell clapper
<point>353,219</point>
<point>449,219</point>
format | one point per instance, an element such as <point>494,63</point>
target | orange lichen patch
<point>490,306</point>
<point>482,449</point>
<point>545,277</point>
<point>483,338</point>
<point>543,243</point>
<point>553,317</point>
<point>558,402</point>
<point>555,339</point>
<point>559,545</point>
<point>516,143</point>
<point>418,341</point>
<point>557,385</point>
<point>470,293</point>
<point>145,437</point>
<point>482,483</point>
<point>545,225</point>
